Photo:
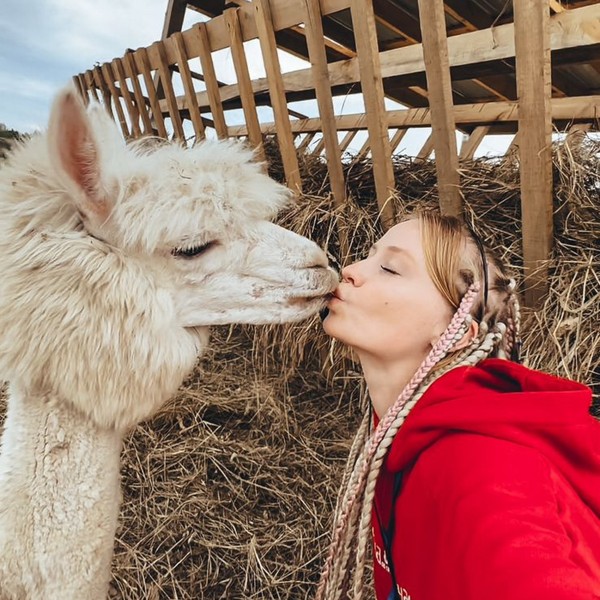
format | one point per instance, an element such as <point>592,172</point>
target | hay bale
<point>228,491</point>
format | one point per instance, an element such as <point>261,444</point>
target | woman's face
<point>387,305</point>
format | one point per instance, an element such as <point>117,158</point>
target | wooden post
<point>365,34</point>
<point>313,29</point>
<point>439,86</point>
<point>106,97</point>
<point>532,50</point>
<point>240,63</point>
<point>91,85</point>
<point>285,139</point>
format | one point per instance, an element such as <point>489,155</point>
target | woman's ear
<point>466,339</point>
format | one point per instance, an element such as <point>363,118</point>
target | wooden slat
<point>131,73</point>
<point>347,139</point>
<point>318,59</point>
<point>585,108</point>
<point>109,79</point>
<point>318,149</point>
<point>397,138</point>
<point>426,149</point>
<point>266,36</point>
<point>240,65</point>
<point>210,79</point>
<point>143,66</point>
<point>81,88</point>
<point>91,85</point>
<point>470,145</point>
<point>308,138</point>
<point>365,34</point>
<point>101,85</point>
<point>188,86</point>
<point>439,86</point>
<point>363,150</point>
<point>575,28</point>
<point>167,85</point>
<point>532,44</point>
<point>130,105</point>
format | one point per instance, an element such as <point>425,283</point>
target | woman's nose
<point>350,274</point>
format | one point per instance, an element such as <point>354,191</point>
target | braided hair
<point>479,289</point>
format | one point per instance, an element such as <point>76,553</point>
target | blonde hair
<point>476,286</point>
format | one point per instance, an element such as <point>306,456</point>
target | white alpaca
<point>114,260</point>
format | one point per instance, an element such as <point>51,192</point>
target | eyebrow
<point>397,250</point>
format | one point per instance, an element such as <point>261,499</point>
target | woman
<point>475,478</point>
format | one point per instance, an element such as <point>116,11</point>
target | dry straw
<point>228,492</point>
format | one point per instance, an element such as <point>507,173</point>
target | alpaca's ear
<point>75,153</point>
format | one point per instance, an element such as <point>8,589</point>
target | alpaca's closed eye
<point>193,251</point>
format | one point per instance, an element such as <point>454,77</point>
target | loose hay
<point>228,491</point>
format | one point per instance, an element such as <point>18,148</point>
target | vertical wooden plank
<point>167,84</point>
<point>131,72</point>
<point>91,85</point>
<point>106,97</point>
<point>210,79</point>
<point>313,30</point>
<point>240,64</point>
<point>350,135</point>
<point>144,67</point>
<point>437,70</point>
<point>425,150</point>
<point>109,79</point>
<point>134,115</point>
<point>365,35</point>
<point>266,36</point>
<point>397,138</point>
<point>81,88</point>
<point>470,145</point>
<point>188,85</point>
<point>532,53</point>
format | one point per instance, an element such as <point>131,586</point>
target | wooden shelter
<point>482,67</point>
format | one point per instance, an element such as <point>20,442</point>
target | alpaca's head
<point>115,258</point>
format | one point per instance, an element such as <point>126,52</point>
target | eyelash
<point>193,251</point>
<point>389,270</point>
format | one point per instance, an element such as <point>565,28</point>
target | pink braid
<point>438,351</point>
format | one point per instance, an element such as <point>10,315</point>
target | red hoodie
<point>500,491</point>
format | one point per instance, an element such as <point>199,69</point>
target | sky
<point>43,43</point>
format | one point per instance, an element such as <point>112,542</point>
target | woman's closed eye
<point>388,270</point>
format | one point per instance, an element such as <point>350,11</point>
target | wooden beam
<point>91,85</point>
<point>101,85</point>
<point>532,43</point>
<point>316,151</point>
<point>585,108</point>
<point>266,35</point>
<point>426,149</point>
<point>397,138</point>
<point>316,50</point>
<point>470,145</point>
<point>210,79</point>
<point>174,16</point>
<point>576,135</point>
<point>244,81</point>
<point>439,85</point>
<point>571,29</point>
<point>81,88</point>
<point>365,34</point>
<point>347,139</point>
<point>308,138</point>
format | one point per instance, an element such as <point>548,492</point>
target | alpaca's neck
<point>59,500</point>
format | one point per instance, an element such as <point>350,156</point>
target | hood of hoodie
<point>502,399</point>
